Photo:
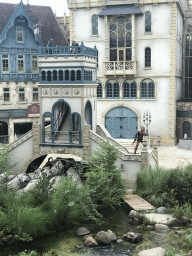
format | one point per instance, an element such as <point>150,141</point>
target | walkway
<point>172,156</point>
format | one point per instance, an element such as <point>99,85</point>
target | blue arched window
<point>72,75</point>
<point>49,75</point>
<point>148,22</point>
<point>112,90</point>
<point>147,89</point>
<point>43,75</point>
<point>129,90</point>
<point>99,91</point>
<point>95,25</point>
<point>54,75</point>
<point>66,74</point>
<point>78,74</point>
<point>60,75</point>
<point>147,57</point>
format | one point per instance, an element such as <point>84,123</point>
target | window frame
<point>21,94</point>
<point>113,90</point>
<point>4,59</point>
<point>34,60</point>
<point>148,58</point>
<point>95,25</point>
<point>17,35</point>
<point>130,84</point>
<point>35,91</point>
<point>6,91</point>
<point>148,26</point>
<point>147,90</point>
<point>18,65</point>
<point>99,91</point>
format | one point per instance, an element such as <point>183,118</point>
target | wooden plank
<point>137,203</point>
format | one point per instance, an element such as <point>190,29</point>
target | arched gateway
<point>121,123</point>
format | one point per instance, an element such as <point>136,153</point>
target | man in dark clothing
<point>139,137</point>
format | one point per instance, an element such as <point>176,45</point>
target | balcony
<point>119,68</point>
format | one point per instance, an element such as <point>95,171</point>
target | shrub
<point>186,240</point>
<point>104,178</point>
<point>183,210</point>
<point>72,202</point>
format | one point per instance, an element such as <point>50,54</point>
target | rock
<point>124,237</point>
<point>57,168</point>
<point>105,238</point>
<point>172,222</point>
<point>158,251</point>
<point>119,241</point>
<point>162,209</point>
<point>30,186</point>
<point>149,228</point>
<point>82,231</point>
<point>161,227</point>
<point>71,172</point>
<point>189,253</point>
<point>179,232</point>
<point>137,238</point>
<point>89,241</point>
<point>139,228</point>
<point>56,180</point>
<point>185,219</point>
<point>135,220</point>
<point>134,214</point>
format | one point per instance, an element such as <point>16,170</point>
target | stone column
<point>86,141</point>
<point>144,156</point>
<point>36,138</point>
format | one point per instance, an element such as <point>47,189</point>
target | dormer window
<point>19,35</point>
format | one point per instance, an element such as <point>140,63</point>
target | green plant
<point>104,178</point>
<point>30,253</point>
<point>183,210</point>
<point>170,252</point>
<point>186,239</point>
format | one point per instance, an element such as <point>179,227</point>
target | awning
<point>120,9</point>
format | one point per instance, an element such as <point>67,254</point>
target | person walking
<point>139,137</point>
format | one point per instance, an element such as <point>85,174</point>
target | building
<point>22,30</point>
<point>64,26</point>
<point>141,45</point>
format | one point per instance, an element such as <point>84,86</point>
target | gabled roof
<point>43,14</point>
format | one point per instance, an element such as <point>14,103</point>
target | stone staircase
<point>127,143</point>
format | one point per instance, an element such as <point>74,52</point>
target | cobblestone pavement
<point>172,156</point>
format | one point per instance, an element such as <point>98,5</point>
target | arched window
<point>112,90</point>
<point>99,91</point>
<point>95,25</point>
<point>147,89</point>
<point>148,57</point>
<point>66,74</point>
<point>121,39</point>
<point>60,75</point>
<point>54,75</point>
<point>129,90</point>
<point>43,75</point>
<point>78,74</point>
<point>49,75</point>
<point>148,22</point>
<point>72,75</point>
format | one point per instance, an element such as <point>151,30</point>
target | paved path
<point>172,156</point>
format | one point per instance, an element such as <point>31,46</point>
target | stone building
<point>22,30</point>
<point>140,61</point>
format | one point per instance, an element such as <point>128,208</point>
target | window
<point>6,94</point>
<point>148,57</point>
<point>121,39</point>
<point>78,74</point>
<point>34,63</point>
<point>188,63</point>
<point>72,75</point>
<point>43,75</point>
<point>35,94</point>
<point>99,91</point>
<point>95,25</point>
<point>54,75</point>
<point>5,62</point>
<point>112,90</point>
<point>147,89</point>
<point>60,75</point>
<point>66,74</point>
<point>49,75</point>
<point>19,35</point>
<point>129,90</point>
<point>20,63</point>
<point>148,22</point>
<point>21,94</point>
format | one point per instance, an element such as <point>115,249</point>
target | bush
<point>186,240</point>
<point>183,210</point>
<point>72,202</point>
<point>104,178</point>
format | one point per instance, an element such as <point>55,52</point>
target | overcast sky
<point>57,6</point>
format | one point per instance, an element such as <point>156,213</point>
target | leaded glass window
<point>148,57</point>
<point>112,90</point>
<point>121,39</point>
<point>148,22</point>
<point>129,90</point>
<point>147,89</point>
<point>95,25</point>
<point>99,91</point>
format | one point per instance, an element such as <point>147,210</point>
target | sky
<point>57,6</point>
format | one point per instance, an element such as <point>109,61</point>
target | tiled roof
<point>44,14</point>
<point>120,10</point>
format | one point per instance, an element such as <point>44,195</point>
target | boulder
<point>161,227</point>
<point>71,172</point>
<point>137,238</point>
<point>162,209</point>
<point>133,237</point>
<point>179,232</point>
<point>135,220</point>
<point>57,168</point>
<point>158,251</point>
<point>56,180</point>
<point>134,214</point>
<point>82,231</point>
<point>30,185</point>
<point>89,241</point>
<point>105,238</point>
<point>149,228</point>
<point>172,222</point>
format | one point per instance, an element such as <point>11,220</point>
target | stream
<point>118,222</point>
